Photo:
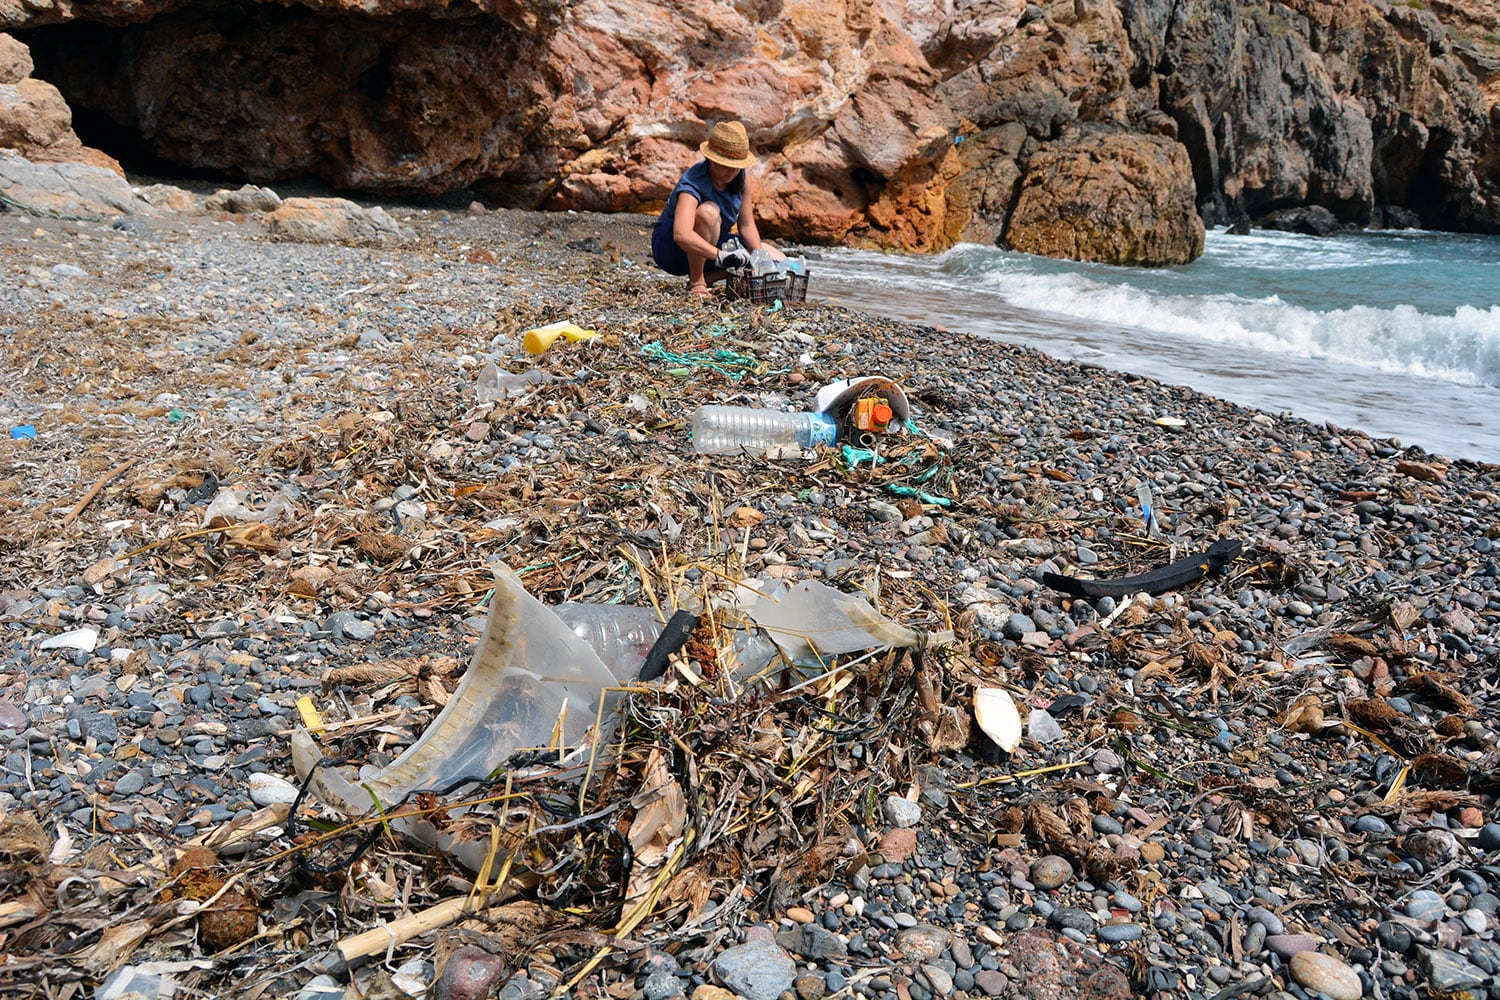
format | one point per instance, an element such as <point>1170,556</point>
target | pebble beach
<point>240,469</point>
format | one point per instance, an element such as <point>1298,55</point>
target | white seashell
<point>995,711</point>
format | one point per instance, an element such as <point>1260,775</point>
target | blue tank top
<point>695,181</point>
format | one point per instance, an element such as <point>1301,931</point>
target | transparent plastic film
<point>813,621</point>
<point>530,676</point>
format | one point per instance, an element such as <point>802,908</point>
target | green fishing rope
<point>731,364</point>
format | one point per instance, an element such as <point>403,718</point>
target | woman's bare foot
<point>700,289</point>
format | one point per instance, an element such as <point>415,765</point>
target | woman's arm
<point>750,232</point>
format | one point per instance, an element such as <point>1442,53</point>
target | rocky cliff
<point>1101,129</point>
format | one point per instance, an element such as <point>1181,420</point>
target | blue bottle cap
<point>825,429</point>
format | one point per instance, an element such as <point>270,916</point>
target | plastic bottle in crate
<point>730,430</point>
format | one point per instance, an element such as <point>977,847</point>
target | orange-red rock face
<point>1093,128</point>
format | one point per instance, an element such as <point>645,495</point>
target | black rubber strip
<point>1158,581</point>
<point>672,637</point>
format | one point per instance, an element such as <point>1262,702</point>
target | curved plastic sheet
<point>527,666</point>
<point>812,621</point>
<point>839,395</point>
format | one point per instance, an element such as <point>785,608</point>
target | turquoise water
<point>1394,333</point>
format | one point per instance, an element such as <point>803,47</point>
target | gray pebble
<point>1426,905</point>
<point>130,783</point>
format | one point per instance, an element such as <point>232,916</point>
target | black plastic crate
<point>788,287</point>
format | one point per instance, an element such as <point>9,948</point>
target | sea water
<point>1396,333</point>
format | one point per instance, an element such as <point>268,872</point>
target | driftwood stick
<point>377,941</point>
<point>88,497</point>
<point>380,939</point>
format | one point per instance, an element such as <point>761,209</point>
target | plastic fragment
<point>539,339</point>
<point>309,714</point>
<point>84,639</point>
<point>812,620</point>
<point>1042,727</point>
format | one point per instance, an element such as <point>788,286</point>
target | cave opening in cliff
<point>94,66</point>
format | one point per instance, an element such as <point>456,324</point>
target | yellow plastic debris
<point>539,339</point>
<point>310,717</point>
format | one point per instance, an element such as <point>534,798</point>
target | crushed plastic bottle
<point>761,262</point>
<point>732,430</point>
<point>619,635</point>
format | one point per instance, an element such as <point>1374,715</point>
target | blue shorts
<point>672,258</point>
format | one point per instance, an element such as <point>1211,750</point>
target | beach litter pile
<point>284,539</point>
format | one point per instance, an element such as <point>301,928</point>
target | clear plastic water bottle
<point>731,430</point>
<point>761,262</point>
<point>621,636</point>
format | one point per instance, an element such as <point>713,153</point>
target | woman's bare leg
<point>706,225</point>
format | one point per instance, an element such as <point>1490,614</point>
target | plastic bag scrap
<point>230,505</point>
<point>532,682</point>
<point>535,682</point>
<point>810,623</point>
<point>494,385</point>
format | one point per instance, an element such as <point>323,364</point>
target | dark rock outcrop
<point>1312,220</point>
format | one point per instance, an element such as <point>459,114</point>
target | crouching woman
<point>711,206</point>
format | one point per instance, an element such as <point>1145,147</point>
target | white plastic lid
<point>835,395</point>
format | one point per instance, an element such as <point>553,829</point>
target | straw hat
<point>728,144</point>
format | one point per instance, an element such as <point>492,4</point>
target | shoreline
<point>1382,402</point>
<point>343,379</point>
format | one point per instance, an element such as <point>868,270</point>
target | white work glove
<point>732,260</point>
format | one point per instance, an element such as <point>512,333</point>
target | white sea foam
<point>1463,347</point>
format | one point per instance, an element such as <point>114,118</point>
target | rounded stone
<point>1270,921</point>
<point>1287,945</point>
<point>923,942</point>
<point>266,789</point>
<point>1119,933</point>
<point>1393,936</point>
<point>469,974</point>
<point>1051,872</point>
<point>1424,904</point>
<point>1319,973</point>
<point>902,812</point>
